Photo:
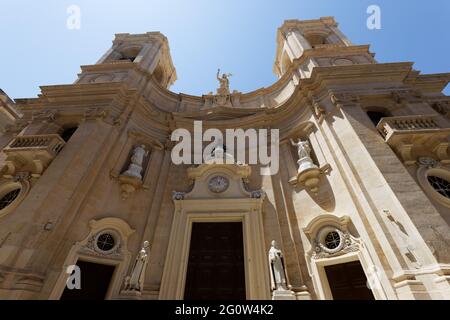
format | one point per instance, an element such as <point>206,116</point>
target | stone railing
<point>31,153</point>
<point>51,142</point>
<point>411,124</point>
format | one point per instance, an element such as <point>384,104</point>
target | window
<point>375,116</point>
<point>105,242</point>
<point>127,58</point>
<point>435,182</point>
<point>68,133</point>
<point>440,185</point>
<point>129,54</point>
<point>332,240</point>
<point>9,198</point>
<point>316,40</point>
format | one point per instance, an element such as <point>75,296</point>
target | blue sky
<point>237,36</point>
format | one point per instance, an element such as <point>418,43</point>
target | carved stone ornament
<point>222,100</point>
<point>218,184</point>
<point>178,195</point>
<point>258,194</point>
<point>343,98</point>
<point>92,249</point>
<point>318,110</point>
<point>95,113</point>
<point>331,241</point>
<point>22,176</point>
<point>44,115</point>
<point>427,162</point>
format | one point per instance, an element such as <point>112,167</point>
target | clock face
<point>218,184</point>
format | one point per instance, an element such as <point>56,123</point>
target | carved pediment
<point>218,181</point>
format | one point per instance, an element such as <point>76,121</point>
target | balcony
<point>31,153</point>
<point>418,127</point>
<point>418,131</point>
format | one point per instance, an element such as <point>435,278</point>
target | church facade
<point>359,207</point>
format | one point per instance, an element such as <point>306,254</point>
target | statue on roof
<point>224,81</point>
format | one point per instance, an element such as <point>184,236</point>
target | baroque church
<point>93,207</point>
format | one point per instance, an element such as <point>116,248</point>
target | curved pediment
<point>241,104</point>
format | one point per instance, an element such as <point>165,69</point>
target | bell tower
<point>131,58</point>
<point>303,45</point>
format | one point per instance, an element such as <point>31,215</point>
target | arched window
<point>316,39</point>
<point>68,133</point>
<point>129,54</point>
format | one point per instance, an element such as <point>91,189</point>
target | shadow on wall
<point>324,198</point>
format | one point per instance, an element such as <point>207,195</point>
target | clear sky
<point>238,36</point>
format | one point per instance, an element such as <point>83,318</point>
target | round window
<point>332,240</point>
<point>9,198</point>
<point>441,185</point>
<point>105,242</point>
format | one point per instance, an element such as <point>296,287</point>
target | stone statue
<point>135,281</point>
<point>137,159</point>
<point>278,276</point>
<point>303,148</point>
<point>304,156</point>
<point>224,88</point>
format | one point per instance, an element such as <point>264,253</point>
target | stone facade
<point>96,155</point>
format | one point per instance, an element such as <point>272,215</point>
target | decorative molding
<point>44,115</point>
<point>95,113</point>
<point>258,194</point>
<point>218,184</point>
<point>176,195</point>
<point>91,248</point>
<point>347,244</point>
<point>340,99</point>
<point>427,162</point>
<point>320,226</point>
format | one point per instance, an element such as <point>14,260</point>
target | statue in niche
<point>224,81</point>
<point>135,281</point>
<point>304,156</point>
<point>303,148</point>
<point>278,276</point>
<point>137,159</point>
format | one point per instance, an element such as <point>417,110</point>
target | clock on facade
<point>218,184</point>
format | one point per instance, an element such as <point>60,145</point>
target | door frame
<point>320,277</point>
<point>247,211</point>
<point>81,251</point>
